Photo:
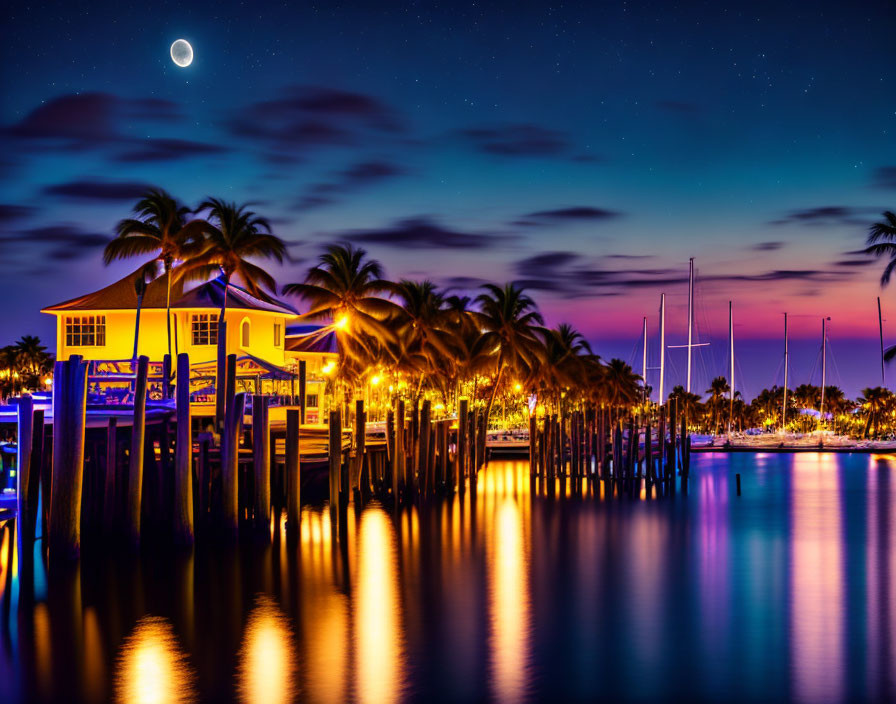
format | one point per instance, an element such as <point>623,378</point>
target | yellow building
<point>101,325</point>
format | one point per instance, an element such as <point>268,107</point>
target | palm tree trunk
<point>137,325</point>
<point>224,302</point>
<point>167,310</point>
<point>491,400</point>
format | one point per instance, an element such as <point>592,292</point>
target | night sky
<point>586,150</point>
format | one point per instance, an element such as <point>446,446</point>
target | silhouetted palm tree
<point>159,228</point>
<point>345,288</point>
<point>718,391</point>
<point>145,275</point>
<point>233,236</point>
<point>874,402</point>
<point>509,318</point>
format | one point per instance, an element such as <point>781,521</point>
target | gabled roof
<point>311,338</point>
<point>211,294</point>
<point>122,296</point>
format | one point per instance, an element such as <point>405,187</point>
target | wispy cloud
<point>356,177</point>
<point>827,215</point>
<point>424,232</point>
<point>93,191</point>
<point>518,140</point>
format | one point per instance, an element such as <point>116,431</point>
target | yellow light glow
<point>376,380</point>
<point>329,367</point>
<point>48,381</point>
<point>518,387</point>
<point>152,667</point>
<point>341,322</point>
<point>267,658</point>
<point>439,407</point>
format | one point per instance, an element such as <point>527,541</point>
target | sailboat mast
<point>784,408</point>
<point>824,357</point>
<point>644,361</point>
<point>690,318</point>
<point>662,399</point>
<point>731,369</point>
<point>880,325</point>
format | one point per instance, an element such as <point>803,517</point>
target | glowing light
<point>341,322</point>
<point>267,658</point>
<point>379,649</point>
<point>376,380</point>
<point>517,387</point>
<point>329,367</point>
<point>152,668</point>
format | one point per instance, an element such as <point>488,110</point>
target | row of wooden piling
<point>589,442</point>
<point>128,481</point>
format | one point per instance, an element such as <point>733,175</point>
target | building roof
<point>123,296</point>
<point>311,338</point>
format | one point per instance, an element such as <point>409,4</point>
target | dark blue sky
<point>587,149</point>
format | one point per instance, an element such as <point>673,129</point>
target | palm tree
<point>882,243</point>
<point>233,236</point>
<point>835,403</point>
<point>509,318</point>
<point>345,289</point>
<point>563,359</point>
<point>620,386</point>
<point>422,333</point>
<point>159,228</point>
<point>688,403</point>
<point>718,388</point>
<point>145,275</point>
<point>875,402</point>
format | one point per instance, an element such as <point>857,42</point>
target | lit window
<point>244,333</point>
<point>205,329</point>
<point>278,335</point>
<point>85,331</point>
<point>311,401</point>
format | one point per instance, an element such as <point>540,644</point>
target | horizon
<point>463,145</point>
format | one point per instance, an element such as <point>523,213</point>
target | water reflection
<point>816,579</point>
<point>267,662</point>
<point>152,668</point>
<point>515,589</point>
<point>378,636</point>
<point>508,602</point>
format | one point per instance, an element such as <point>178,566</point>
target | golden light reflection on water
<point>267,660</point>
<point>152,667</point>
<point>817,592</point>
<point>508,602</point>
<point>379,661</point>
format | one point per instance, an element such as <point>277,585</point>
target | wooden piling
<point>230,456</point>
<point>463,418</point>
<point>423,448</point>
<point>136,459</point>
<point>261,461</point>
<point>111,489</point>
<point>26,478</point>
<point>221,377</point>
<point>293,471</point>
<point>183,456</point>
<point>335,456</point>
<point>360,444</point>
<point>303,376</point>
<point>737,477</point>
<point>69,425</point>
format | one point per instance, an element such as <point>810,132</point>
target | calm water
<point>787,593</point>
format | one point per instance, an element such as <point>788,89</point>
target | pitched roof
<point>123,296</point>
<point>210,295</point>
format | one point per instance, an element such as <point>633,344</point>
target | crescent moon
<point>182,53</point>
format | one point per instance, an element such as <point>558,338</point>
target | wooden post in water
<point>390,450</point>
<point>661,443</point>
<point>293,472</point>
<point>648,450</point>
<point>221,377</point>
<point>303,377</point>
<point>261,461</point>
<point>360,444</point>
<point>69,425</point>
<point>111,512</point>
<point>183,456</point>
<point>533,436</point>
<point>230,457</point>
<point>136,458</point>
<point>423,447</point>
<point>463,419</point>
<point>400,464</point>
<point>26,477</point>
<point>334,450</point>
